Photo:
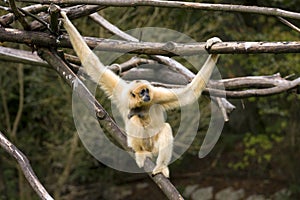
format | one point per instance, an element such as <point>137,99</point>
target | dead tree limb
<point>241,85</point>
<point>179,4</point>
<point>25,167</point>
<point>150,48</point>
<point>104,119</point>
<point>173,64</point>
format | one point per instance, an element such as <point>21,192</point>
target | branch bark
<point>150,48</point>
<point>25,166</point>
<point>104,119</point>
<point>267,85</point>
<point>179,4</point>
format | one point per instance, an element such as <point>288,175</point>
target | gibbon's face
<point>140,94</point>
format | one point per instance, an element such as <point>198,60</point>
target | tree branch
<point>179,4</point>
<point>104,119</point>
<point>173,64</point>
<point>25,167</point>
<point>150,48</point>
<point>265,83</point>
<point>7,19</point>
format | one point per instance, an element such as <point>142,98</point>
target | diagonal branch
<point>25,166</point>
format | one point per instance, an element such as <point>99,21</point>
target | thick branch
<point>25,167</point>
<point>173,64</point>
<point>180,4</point>
<point>150,48</point>
<point>104,119</point>
<point>9,18</point>
<point>269,85</point>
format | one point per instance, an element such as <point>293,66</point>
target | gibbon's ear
<point>132,94</point>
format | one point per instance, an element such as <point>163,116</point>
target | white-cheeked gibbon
<point>142,105</point>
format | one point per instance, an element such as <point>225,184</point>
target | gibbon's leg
<point>140,157</point>
<point>165,149</point>
<point>137,145</point>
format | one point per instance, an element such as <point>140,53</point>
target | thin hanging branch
<point>179,4</point>
<point>25,167</point>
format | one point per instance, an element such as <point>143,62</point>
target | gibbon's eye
<point>143,91</point>
<point>132,94</point>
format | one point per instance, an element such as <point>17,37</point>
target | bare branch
<point>242,83</point>
<point>7,19</point>
<point>25,167</point>
<point>179,4</point>
<point>21,56</point>
<point>18,14</point>
<point>151,48</point>
<point>289,24</point>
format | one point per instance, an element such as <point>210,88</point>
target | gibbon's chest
<point>144,122</point>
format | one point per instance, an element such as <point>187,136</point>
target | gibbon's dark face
<point>140,94</point>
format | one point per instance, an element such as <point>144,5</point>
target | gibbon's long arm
<point>93,66</point>
<point>172,98</point>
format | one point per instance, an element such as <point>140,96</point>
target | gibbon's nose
<point>146,98</point>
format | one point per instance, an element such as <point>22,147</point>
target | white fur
<point>148,135</point>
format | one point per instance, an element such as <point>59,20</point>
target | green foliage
<point>257,151</point>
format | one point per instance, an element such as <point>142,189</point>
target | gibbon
<point>142,105</point>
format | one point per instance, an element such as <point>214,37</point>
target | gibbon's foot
<point>141,156</point>
<point>211,41</point>
<point>161,169</point>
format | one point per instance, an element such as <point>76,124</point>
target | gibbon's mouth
<point>146,98</point>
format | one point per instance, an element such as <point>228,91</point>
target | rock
<point>189,190</point>
<point>230,194</point>
<point>256,197</point>
<point>203,194</point>
<point>281,194</point>
<point>117,193</point>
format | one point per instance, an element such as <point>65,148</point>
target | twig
<point>25,166</point>
<point>151,48</point>
<point>7,19</point>
<point>289,24</point>
<point>74,12</point>
<point>179,4</point>
<point>34,17</point>
<point>21,101</point>
<point>176,66</point>
<point>104,119</point>
<point>18,15</point>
